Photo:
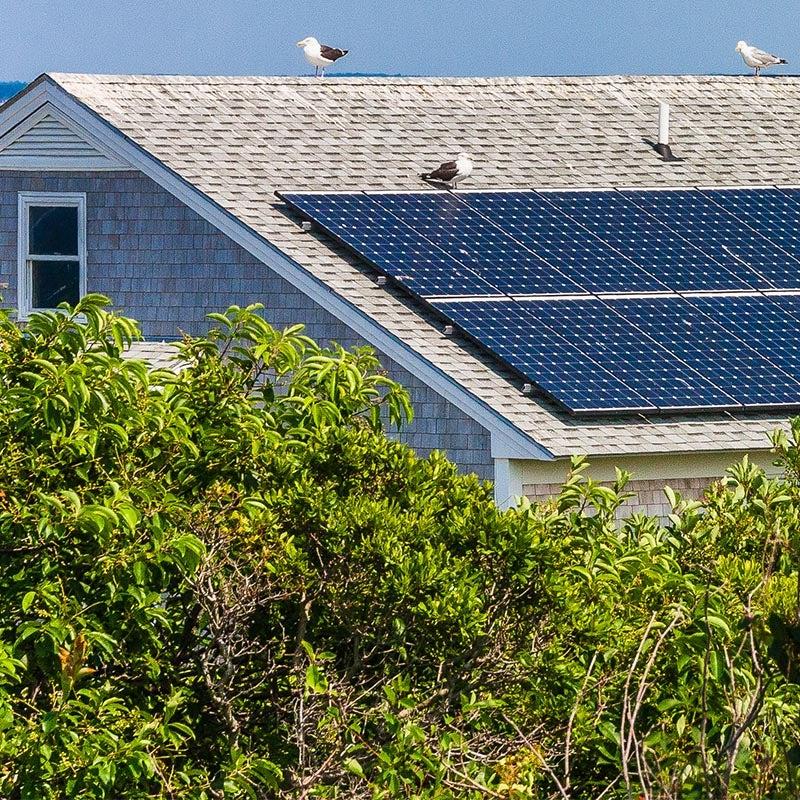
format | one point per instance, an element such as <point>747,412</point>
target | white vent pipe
<point>663,124</point>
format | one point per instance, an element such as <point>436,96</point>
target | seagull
<point>452,172</point>
<point>320,55</point>
<point>758,59</point>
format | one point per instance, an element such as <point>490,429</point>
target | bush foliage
<point>228,582</point>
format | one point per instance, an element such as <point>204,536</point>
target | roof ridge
<point>430,80</point>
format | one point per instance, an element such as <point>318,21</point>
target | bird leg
<point>758,71</point>
<point>323,73</point>
<point>316,72</point>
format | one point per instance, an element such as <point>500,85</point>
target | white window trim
<point>24,201</point>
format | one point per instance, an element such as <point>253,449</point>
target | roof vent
<point>662,146</point>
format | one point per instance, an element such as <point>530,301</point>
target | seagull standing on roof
<point>757,59</point>
<point>320,55</point>
<point>452,172</point>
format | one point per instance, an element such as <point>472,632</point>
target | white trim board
<point>507,482</point>
<point>506,437</point>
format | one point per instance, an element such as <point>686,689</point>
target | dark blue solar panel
<point>648,240</point>
<point>391,246</point>
<point>764,324</point>
<point>477,243</point>
<point>535,223</point>
<point>550,360</point>
<point>692,336</point>
<point>788,303</point>
<point>637,353</point>
<point>636,359</point>
<point>774,214</point>
<point>754,260</point>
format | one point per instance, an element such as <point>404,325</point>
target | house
<point>160,192</point>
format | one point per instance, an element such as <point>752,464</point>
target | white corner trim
<point>507,482</point>
<point>61,159</point>
<point>113,141</point>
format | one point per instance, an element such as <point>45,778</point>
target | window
<point>52,250</point>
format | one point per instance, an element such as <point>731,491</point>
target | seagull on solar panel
<point>451,172</point>
<point>757,59</point>
<point>320,55</point>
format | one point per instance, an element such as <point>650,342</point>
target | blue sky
<point>435,37</point>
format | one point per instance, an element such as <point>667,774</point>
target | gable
<point>48,140</point>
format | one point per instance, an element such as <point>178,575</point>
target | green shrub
<point>229,582</point>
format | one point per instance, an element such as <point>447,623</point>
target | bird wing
<point>765,57</point>
<point>331,53</point>
<point>446,172</point>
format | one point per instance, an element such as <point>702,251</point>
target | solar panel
<point>762,323</point>
<point>692,336</point>
<point>754,260</point>
<point>773,214</point>
<point>635,358</point>
<point>553,361</point>
<point>606,331</point>
<point>556,238</point>
<point>390,245</point>
<point>478,243</point>
<point>648,240</point>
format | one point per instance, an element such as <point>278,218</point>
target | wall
<point>689,474</point>
<point>166,266</point>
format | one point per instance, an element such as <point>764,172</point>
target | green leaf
<point>315,680</point>
<point>354,767</point>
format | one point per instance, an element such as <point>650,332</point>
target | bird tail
<point>345,52</point>
<point>425,176</point>
<point>782,61</point>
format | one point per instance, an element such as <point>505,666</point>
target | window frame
<point>25,200</point>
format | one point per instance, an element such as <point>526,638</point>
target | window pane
<point>53,231</point>
<point>54,282</point>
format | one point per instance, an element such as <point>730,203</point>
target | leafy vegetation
<point>229,583</point>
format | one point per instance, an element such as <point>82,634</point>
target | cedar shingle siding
<point>166,266</point>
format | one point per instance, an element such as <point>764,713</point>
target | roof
<point>238,140</point>
<point>157,355</point>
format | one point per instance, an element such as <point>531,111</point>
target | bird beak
<point>301,44</point>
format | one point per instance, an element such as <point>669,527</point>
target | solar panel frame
<point>539,356</point>
<point>477,242</point>
<point>771,212</point>
<point>727,361</point>
<point>637,359</point>
<point>739,249</point>
<point>553,236</point>
<point>617,219</point>
<point>428,278</point>
<point>748,316</point>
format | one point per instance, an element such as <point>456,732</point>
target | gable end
<point>47,140</point>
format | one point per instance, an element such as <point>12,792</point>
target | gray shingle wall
<point>166,266</point>
<point>648,495</point>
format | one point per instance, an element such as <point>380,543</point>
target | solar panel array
<point>606,300</point>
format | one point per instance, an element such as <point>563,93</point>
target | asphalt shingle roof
<point>240,139</point>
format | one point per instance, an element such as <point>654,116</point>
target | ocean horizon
<point>10,88</point>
